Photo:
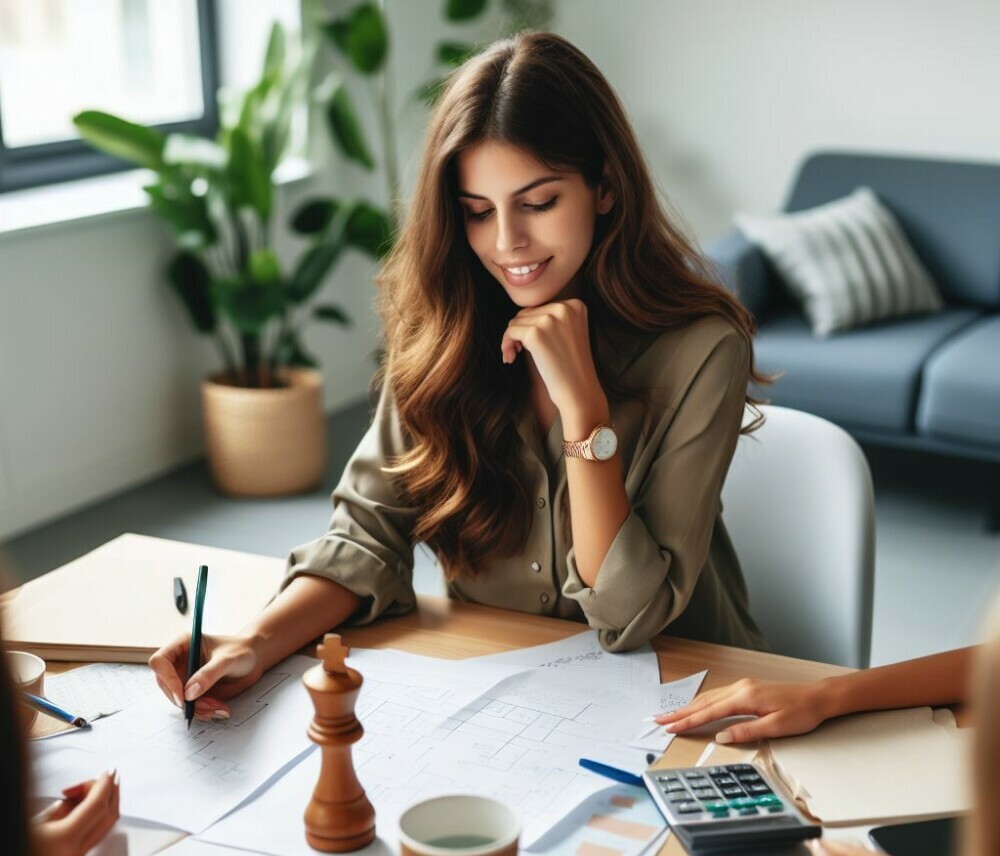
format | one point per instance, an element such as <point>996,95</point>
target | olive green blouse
<point>670,568</point>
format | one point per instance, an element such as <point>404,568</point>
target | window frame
<point>25,167</point>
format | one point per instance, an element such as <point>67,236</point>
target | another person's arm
<point>75,824</point>
<point>784,709</point>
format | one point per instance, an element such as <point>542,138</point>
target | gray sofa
<point>925,382</point>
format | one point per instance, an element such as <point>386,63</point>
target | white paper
<point>582,655</point>
<point>666,698</point>
<point>520,741</point>
<point>188,779</point>
<point>100,689</point>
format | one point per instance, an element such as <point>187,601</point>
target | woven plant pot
<point>265,442</point>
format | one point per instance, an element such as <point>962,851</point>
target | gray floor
<point>935,568</point>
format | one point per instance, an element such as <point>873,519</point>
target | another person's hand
<point>231,664</point>
<point>781,710</point>
<point>76,824</point>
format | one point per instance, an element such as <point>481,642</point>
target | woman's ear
<point>605,195</point>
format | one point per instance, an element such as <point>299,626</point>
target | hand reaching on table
<point>231,664</point>
<point>76,824</point>
<point>781,710</point>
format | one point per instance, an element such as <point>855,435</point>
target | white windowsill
<point>94,198</point>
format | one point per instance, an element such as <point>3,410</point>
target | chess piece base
<point>341,845</point>
<point>340,827</point>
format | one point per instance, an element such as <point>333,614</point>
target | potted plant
<point>262,413</point>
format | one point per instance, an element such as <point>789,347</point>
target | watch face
<point>604,444</point>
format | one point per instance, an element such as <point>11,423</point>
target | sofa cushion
<point>866,378</point>
<point>847,261</point>
<point>960,397</point>
<point>948,209</point>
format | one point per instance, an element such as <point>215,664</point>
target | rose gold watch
<point>601,445</point>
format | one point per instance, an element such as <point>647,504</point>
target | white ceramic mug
<point>459,825</point>
<point>28,673</point>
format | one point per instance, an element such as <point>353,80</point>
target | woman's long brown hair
<point>444,314</point>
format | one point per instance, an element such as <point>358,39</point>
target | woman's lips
<point>522,279</point>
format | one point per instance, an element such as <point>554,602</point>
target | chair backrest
<point>948,210</point>
<point>799,506</point>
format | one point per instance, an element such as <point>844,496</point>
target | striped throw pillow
<point>848,262</point>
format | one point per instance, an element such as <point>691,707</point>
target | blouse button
<point>535,567</point>
<point>543,597</point>
<point>540,502</point>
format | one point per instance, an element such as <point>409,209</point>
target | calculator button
<point>690,807</point>
<point>741,768</point>
<point>673,787</point>
<point>769,799</point>
<point>749,778</point>
<point>732,791</point>
<point>705,793</point>
<point>757,790</point>
<point>724,780</point>
<point>743,802</point>
<point>673,799</point>
<point>745,812</point>
<point>716,771</point>
<point>774,809</point>
<point>717,806</point>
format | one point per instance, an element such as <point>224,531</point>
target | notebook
<point>116,603</point>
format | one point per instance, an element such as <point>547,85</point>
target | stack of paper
<point>877,767</point>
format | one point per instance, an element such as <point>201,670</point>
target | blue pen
<point>609,772</point>
<point>43,705</point>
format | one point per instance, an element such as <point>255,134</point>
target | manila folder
<point>116,603</point>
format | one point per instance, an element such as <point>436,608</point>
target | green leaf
<point>314,216</point>
<point>312,269</point>
<point>247,304</point>
<point>362,37</point>
<point>191,281</point>
<point>122,139</point>
<point>463,10</point>
<point>189,150</point>
<point>332,314</point>
<point>274,57</point>
<point>186,213</point>
<point>454,54</point>
<point>291,352</point>
<point>344,125</point>
<point>249,177</point>
<point>264,267</point>
<point>369,229</point>
<point>430,92</point>
<point>276,130</point>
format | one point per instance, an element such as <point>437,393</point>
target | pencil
<point>43,705</point>
<point>194,651</point>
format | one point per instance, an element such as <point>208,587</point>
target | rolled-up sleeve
<point>650,571</point>
<point>368,547</point>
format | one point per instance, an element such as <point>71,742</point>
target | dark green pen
<point>194,652</point>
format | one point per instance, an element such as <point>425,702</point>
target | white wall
<point>727,96</point>
<point>99,370</point>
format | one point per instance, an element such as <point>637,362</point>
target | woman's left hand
<point>558,339</point>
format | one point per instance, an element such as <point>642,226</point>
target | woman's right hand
<point>231,664</point>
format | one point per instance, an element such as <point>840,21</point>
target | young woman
<point>564,388</point>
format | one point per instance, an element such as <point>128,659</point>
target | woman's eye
<point>545,206</point>
<point>478,215</point>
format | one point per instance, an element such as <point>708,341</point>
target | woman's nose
<point>511,234</point>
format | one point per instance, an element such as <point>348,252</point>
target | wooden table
<point>453,630</point>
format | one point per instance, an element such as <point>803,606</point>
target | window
<point>148,61</point>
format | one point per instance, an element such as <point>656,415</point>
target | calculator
<point>726,809</point>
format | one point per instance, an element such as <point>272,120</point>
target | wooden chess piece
<point>339,817</point>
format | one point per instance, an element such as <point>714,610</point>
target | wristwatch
<point>601,445</point>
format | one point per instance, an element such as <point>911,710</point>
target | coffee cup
<point>28,674</point>
<point>459,825</point>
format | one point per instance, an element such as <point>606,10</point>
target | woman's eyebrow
<point>536,183</point>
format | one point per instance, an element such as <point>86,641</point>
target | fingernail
<point>192,692</point>
<point>112,772</point>
<point>177,700</point>
<point>220,715</point>
<point>118,778</point>
<point>670,727</point>
<point>723,737</point>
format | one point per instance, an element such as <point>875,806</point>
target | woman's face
<point>530,226</point>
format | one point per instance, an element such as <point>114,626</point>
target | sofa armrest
<point>743,270</point>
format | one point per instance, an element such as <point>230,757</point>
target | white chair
<point>799,507</point>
